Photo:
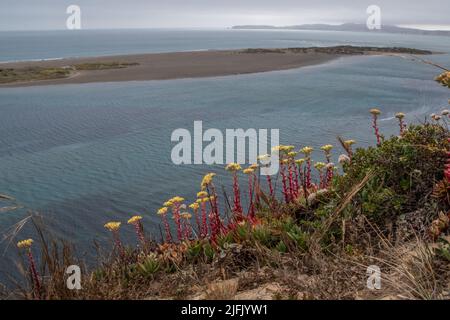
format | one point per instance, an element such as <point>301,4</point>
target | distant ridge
<point>356,27</point>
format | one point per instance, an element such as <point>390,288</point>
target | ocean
<point>81,155</point>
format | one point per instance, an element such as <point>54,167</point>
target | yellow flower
<point>207,179</point>
<point>233,167</point>
<point>349,143</point>
<point>307,150</point>
<point>186,215</point>
<point>254,166</point>
<point>319,165</point>
<point>202,194</point>
<point>285,161</point>
<point>248,171</point>
<point>194,206</point>
<point>299,161</point>
<point>134,219</point>
<point>375,111</point>
<point>168,203</point>
<point>175,200</point>
<point>327,148</point>
<point>263,157</point>
<point>292,154</point>
<point>113,226</point>
<point>288,148</point>
<point>399,115</point>
<point>25,243</point>
<point>162,211</point>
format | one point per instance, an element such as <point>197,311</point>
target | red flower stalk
<point>375,113</point>
<point>291,181</point>
<point>167,229</point>
<point>204,223</point>
<point>26,244</point>
<point>114,228</point>
<point>251,209</point>
<point>269,182</point>
<point>237,194</point>
<point>284,182</point>
<point>401,123</point>
<point>215,206</point>
<point>136,222</point>
<point>308,173</point>
<point>176,217</point>
<point>35,276</point>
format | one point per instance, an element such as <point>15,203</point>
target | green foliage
<point>263,235</point>
<point>149,266</point>
<point>406,170</point>
<point>209,251</point>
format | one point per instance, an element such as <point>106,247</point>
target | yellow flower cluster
<point>186,215</point>
<point>134,219</point>
<point>399,115</point>
<point>202,194</point>
<point>233,167</point>
<point>283,148</point>
<point>319,165</point>
<point>307,150</point>
<point>299,161</point>
<point>25,243</point>
<point>194,206</point>
<point>162,211</point>
<point>113,226</point>
<point>207,179</point>
<point>375,111</point>
<point>173,201</point>
<point>349,143</point>
<point>327,148</point>
<point>248,171</point>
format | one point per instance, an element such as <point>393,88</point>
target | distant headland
<point>355,27</point>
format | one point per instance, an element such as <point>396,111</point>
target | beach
<point>179,65</point>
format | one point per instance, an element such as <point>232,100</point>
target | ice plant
<point>136,222</point>
<point>195,206</point>
<point>175,203</point>
<point>208,185</point>
<point>114,227</point>
<point>319,166</point>
<point>293,186</point>
<point>329,172</point>
<point>301,177</point>
<point>26,245</point>
<point>234,168</point>
<point>401,123</point>
<point>202,200</point>
<point>265,158</point>
<point>284,180</point>
<point>251,210</point>
<point>186,217</point>
<point>375,113</point>
<point>162,212</point>
<point>307,152</point>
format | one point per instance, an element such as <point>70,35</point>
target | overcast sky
<point>105,14</point>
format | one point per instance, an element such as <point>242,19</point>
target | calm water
<point>85,154</point>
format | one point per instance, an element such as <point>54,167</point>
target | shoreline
<point>186,64</point>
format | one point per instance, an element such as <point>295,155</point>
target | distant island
<point>177,65</point>
<point>355,27</point>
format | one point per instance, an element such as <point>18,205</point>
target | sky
<point>107,14</point>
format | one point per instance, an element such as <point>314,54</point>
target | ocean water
<point>84,154</point>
